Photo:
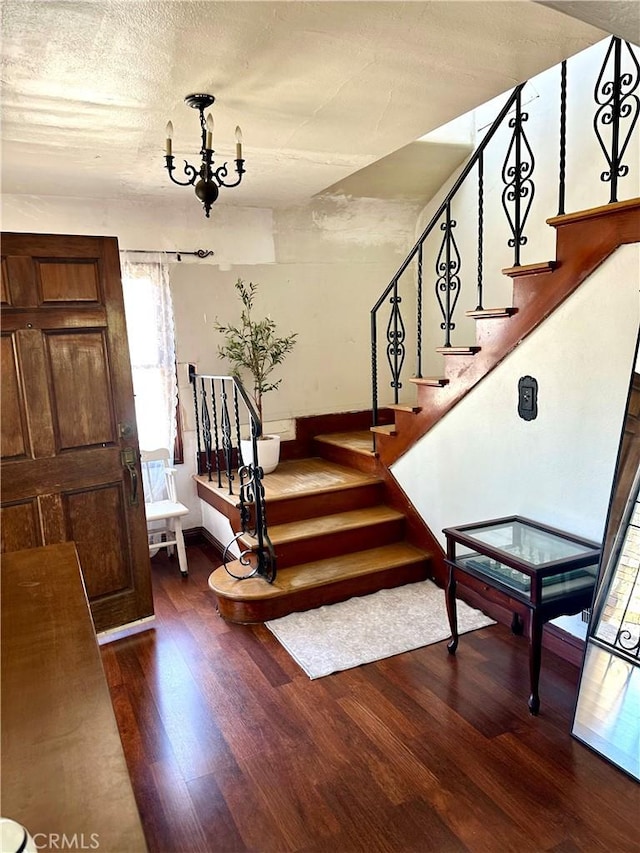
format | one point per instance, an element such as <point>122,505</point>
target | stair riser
<point>344,456</point>
<point>250,612</point>
<point>334,544</point>
<point>326,503</point>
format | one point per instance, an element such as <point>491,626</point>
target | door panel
<point>20,526</point>
<point>80,389</point>
<point>97,520</point>
<point>68,282</point>
<point>4,286</point>
<point>66,385</point>
<point>14,440</point>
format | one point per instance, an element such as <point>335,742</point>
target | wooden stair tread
<point>488,313</point>
<point>297,478</point>
<point>530,269</point>
<point>358,441</point>
<point>411,410</point>
<point>431,381</point>
<point>388,429</point>
<point>593,212</point>
<point>293,531</point>
<point>458,350</point>
<point>314,574</point>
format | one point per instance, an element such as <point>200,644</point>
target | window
<point>150,330</point>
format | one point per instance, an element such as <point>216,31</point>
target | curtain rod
<point>199,253</point>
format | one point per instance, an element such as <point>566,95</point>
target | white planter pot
<point>268,452</point>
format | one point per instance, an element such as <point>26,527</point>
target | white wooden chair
<point>162,505</point>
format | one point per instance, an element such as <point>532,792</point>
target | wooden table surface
<point>63,767</point>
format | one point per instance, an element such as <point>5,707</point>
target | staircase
<point>339,524</point>
<point>333,533</point>
<point>583,241</point>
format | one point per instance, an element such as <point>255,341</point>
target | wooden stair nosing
<point>490,313</point>
<point>430,381</point>
<point>593,212</point>
<point>539,268</point>
<point>409,410</point>
<point>389,429</point>
<point>457,350</point>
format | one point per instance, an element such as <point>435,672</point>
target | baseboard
<point>127,630</point>
<point>201,536</point>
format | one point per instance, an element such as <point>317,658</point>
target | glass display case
<point>536,571</point>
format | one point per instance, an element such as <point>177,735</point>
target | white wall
<point>320,268</point>
<point>482,461</point>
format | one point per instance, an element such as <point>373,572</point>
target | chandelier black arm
<point>221,172</point>
<point>188,170</point>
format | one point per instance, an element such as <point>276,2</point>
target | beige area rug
<point>371,627</point>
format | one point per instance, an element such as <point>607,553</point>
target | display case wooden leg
<point>452,612</point>
<point>535,656</point>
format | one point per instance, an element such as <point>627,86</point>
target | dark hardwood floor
<point>232,748</point>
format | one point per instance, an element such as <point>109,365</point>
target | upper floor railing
<point>222,410</point>
<point>615,118</point>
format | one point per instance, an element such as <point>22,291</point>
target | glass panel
<point>494,569</point>
<point>569,583</point>
<point>619,620</point>
<point>565,583</point>
<point>527,543</point>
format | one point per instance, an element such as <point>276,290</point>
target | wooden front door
<point>68,420</point>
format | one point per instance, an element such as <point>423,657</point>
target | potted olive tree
<point>254,349</point>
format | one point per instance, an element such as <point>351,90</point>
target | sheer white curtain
<point>150,329</point>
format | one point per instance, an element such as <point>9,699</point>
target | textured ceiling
<point>321,89</point>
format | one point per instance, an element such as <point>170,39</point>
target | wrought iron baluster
<point>448,279</point>
<point>226,433</point>
<point>563,138</point>
<point>194,383</point>
<point>206,429</point>
<point>480,230</point>
<point>396,334</point>
<point>517,174</point>
<point>419,317</point>
<point>214,409</point>
<point>236,412</point>
<point>374,375</point>
<point>259,558</point>
<point>616,100</point>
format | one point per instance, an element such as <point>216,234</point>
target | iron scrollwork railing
<point>519,189</point>
<point>221,408</point>
<point>617,107</point>
<point>448,277</point>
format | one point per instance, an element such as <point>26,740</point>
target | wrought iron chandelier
<point>206,180</point>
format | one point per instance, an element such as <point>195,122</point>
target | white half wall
<point>482,461</point>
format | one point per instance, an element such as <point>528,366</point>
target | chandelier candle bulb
<point>169,137</point>
<point>238,143</point>
<point>209,144</point>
